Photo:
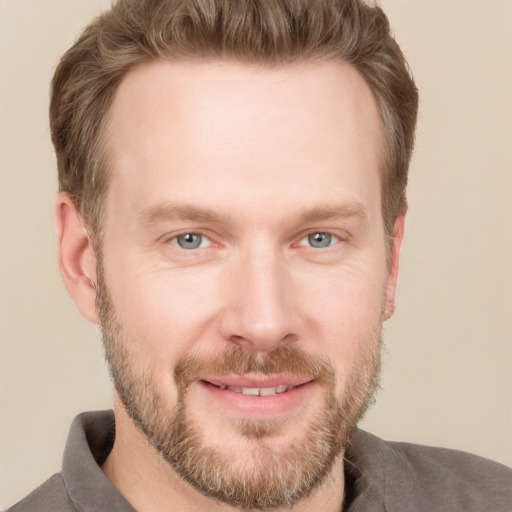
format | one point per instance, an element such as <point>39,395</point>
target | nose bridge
<point>260,310</point>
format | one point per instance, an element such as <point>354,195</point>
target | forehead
<point>229,127</point>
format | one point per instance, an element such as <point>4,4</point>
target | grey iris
<point>189,241</point>
<point>320,240</point>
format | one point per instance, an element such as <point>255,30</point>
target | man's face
<point>244,272</point>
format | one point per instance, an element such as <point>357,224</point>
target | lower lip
<point>250,405</point>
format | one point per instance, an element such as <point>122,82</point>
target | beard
<point>260,476</point>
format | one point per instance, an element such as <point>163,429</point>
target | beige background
<point>448,373</point>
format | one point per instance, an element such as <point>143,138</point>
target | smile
<point>245,387</point>
<point>257,396</point>
<point>258,391</point>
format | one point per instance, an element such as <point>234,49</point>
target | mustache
<point>236,360</point>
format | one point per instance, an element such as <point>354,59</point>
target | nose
<point>259,311</point>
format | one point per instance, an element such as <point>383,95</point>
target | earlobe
<point>393,264</point>
<point>77,262</point>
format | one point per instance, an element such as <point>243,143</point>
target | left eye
<point>190,241</point>
<point>319,240</point>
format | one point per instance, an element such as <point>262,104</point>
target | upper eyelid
<point>171,236</point>
<point>339,234</point>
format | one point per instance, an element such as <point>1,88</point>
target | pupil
<point>189,241</point>
<point>320,240</point>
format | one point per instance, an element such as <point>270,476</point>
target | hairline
<point>104,157</point>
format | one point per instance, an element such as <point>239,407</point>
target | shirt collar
<point>91,438</point>
<point>86,449</point>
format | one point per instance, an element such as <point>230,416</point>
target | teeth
<point>268,391</point>
<point>259,391</point>
<point>250,391</point>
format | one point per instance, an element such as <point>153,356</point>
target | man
<point>232,205</point>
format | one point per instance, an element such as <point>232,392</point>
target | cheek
<point>349,296</point>
<point>163,313</point>
<point>345,312</point>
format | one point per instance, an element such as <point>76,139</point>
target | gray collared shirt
<point>380,476</point>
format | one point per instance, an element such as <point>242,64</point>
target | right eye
<point>190,241</point>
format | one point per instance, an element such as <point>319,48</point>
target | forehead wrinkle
<point>169,211</point>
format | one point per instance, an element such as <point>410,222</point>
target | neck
<point>149,483</point>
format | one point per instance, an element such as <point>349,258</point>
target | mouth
<point>256,391</point>
<point>258,396</point>
<point>259,385</point>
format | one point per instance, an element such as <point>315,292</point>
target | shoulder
<point>51,496</point>
<point>458,478</point>
<point>428,478</point>
<point>450,464</point>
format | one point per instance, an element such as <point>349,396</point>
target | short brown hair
<point>270,32</point>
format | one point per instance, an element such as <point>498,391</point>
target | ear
<point>77,262</point>
<point>393,263</point>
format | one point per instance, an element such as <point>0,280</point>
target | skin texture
<point>255,161</point>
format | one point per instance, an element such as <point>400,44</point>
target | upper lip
<point>257,382</point>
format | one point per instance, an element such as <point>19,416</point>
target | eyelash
<point>174,240</point>
<point>332,239</point>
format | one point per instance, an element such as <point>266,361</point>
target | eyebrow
<point>169,211</point>
<point>334,211</point>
